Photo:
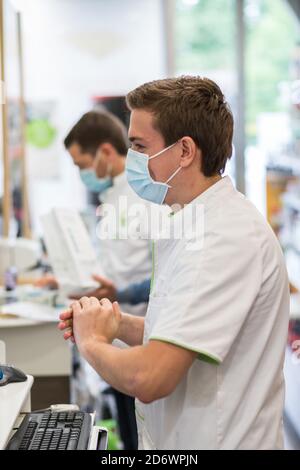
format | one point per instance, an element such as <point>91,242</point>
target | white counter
<point>14,399</point>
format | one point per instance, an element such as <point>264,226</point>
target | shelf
<point>288,162</point>
<point>290,246</point>
<point>292,201</point>
<point>295,306</point>
<point>292,381</point>
<point>293,266</point>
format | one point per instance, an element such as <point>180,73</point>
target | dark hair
<point>190,106</point>
<point>96,128</point>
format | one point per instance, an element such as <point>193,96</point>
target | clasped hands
<point>89,319</point>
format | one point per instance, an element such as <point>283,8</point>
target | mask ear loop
<point>108,165</point>
<point>109,170</point>
<point>172,176</point>
<point>175,172</point>
<point>162,151</point>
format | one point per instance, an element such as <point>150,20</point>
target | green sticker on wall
<point>40,133</point>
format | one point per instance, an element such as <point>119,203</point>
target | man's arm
<point>134,293</point>
<point>131,330</point>
<point>147,372</point>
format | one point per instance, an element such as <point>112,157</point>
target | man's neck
<point>195,189</point>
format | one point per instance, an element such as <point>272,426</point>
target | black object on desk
<point>9,374</point>
<point>66,430</point>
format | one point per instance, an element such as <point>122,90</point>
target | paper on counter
<point>32,311</point>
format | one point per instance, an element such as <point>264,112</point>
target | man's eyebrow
<point>132,139</point>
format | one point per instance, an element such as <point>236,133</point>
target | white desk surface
<point>13,397</point>
<point>11,322</point>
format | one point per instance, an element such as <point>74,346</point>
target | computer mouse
<point>9,374</point>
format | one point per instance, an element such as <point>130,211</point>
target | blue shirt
<point>135,293</point>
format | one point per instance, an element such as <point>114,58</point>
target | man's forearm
<point>122,369</point>
<point>131,330</point>
<point>135,371</point>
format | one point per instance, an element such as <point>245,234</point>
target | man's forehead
<point>141,125</point>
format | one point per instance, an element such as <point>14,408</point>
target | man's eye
<point>139,147</point>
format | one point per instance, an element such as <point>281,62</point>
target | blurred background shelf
<point>292,378</point>
<point>295,306</point>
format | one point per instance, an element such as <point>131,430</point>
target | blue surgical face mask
<point>140,180</point>
<point>93,183</point>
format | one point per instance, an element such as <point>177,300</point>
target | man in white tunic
<point>205,365</point>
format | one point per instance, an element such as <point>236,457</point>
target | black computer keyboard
<point>50,430</point>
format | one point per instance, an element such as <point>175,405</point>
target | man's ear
<point>189,150</point>
<point>105,149</point>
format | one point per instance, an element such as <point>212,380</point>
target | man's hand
<point>48,280</point>
<point>91,320</point>
<point>131,328</point>
<point>106,289</point>
<point>66,323</point>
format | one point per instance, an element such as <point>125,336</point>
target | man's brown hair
<point>95,128</point>
<point>190,106</point>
